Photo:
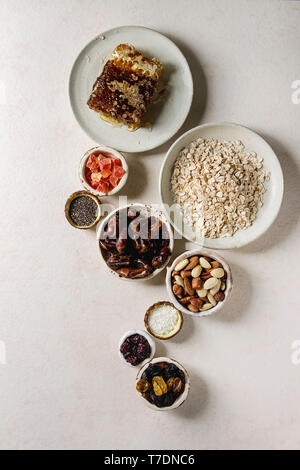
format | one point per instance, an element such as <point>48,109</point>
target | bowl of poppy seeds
<point>83,210</point>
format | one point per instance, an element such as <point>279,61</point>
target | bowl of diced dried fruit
<point>199,282</point>
<point>163,384</point>
<point>103,171</point>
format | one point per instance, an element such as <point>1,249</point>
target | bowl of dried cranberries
<point>136,348</point>
<point>103,171</point>
<point>163,384</point>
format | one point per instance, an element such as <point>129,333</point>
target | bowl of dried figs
<point>136,242</point>
<point>163,384</point>
<point>199,282</point>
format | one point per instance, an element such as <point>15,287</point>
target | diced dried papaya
<point>114,181</point>
<point>106,173</point>
<point>118,171</point>
<point>105,163</point>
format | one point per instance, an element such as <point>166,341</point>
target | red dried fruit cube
<point>103,188</point>
<point>106,173</point>
<point>114,181</point>
<point>105,163</point>
<point>118,172</point>
<point>93,163</point>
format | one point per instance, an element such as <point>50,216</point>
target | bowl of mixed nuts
<point>199,282</point>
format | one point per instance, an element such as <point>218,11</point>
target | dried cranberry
<point>135,338</point>
<point>135,349</point>
<point>125,348</point>
<point>132,359</point>
<point>143,349</point>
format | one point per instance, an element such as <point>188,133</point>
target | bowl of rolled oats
<point>221,185</point>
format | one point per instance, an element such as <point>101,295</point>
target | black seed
<point>83,211</point>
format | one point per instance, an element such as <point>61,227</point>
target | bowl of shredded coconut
<point>221,185</point>
<point>163,320</point>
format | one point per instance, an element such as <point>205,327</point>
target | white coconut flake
<point>163,320</point>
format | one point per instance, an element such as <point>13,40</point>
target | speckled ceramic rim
<point>181,399</point>
<point>148,338</point>
<point>156,213</point>
<point>115,153</point>
<point>148,313</point>
<point>210,254</point>
<point>75,196</point>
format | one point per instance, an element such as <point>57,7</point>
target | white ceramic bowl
<point>166,116</point>
<point>147,210</point>
<point>115,153</point>
<point>272,198</point>
<point>210,254</point>
<point>181,399</point>
<point>148,338</point>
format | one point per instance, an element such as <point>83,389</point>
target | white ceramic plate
<point>166,117</point>
<point>272,197</point>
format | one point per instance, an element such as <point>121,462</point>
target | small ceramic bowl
<point>181,399</point>
<point>174,332</point>
<point>210,254</point>
<point>146,209</point>
<point>148,338</point>
<point>68,204</point>
<point>114,153</point>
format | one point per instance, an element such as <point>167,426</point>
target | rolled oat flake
<point>83,211</point>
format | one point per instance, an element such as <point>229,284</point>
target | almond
<point>212,300</point>
<point>185,274</point>
<point>193,308</point>
<point>197,283</point>
<point>210,283</point>
<point>205,276</point>
<point>181,264</point>
<point>216,289</point>
<point>177,290</point>
<point>179,281</point>
<point>197,302</point>
<point>202,293</point>
<point>206,307</point>
<point>187,300</point>
<point>223,286</point>
<point>215,264</point>
<point>218,273</point>
<point>204,263</point>
<point>197,271</point>
<point>193,262</point>
<point>188,287</point>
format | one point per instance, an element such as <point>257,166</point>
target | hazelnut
<point>177,290</point>
<point>220,296</point>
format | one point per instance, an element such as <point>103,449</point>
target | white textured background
<point>61,315</point>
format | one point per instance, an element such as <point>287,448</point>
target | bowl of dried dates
<point>136,348</point>
<point>199,282</point>
<point>163,384</point>
<point>136,242</point>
